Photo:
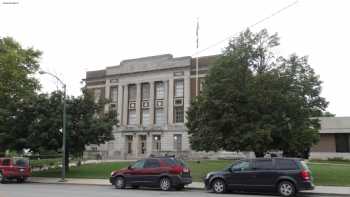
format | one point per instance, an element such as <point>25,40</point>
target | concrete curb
<point>189,187</point>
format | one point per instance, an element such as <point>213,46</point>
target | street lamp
<point>64,124</point>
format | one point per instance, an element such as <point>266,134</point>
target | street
<point>56,190</point>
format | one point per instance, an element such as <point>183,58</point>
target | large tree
<point>251,100</point>
<point>87,123</point>
<point>17,88</point>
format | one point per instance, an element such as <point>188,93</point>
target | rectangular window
<point>342,143</point>
<point>263,164</point>
<point>132,92</point>
<point>156,143</point>
<point>179,114</point>
<point>114,94</point>
<point>159,117</point>
<point>97,95</point>
<point>132,117</point>
<point>178,142</point>
<point>142,144</point>
<point>179,88</point>
<point>145,117</point>
<point>129,140</point>
<point>145,94</point>
<point>159,90</point>
<point>286,164</point>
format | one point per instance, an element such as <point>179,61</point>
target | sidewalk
<point>319,190</point>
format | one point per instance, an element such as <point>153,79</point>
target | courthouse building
<point>151,96</point>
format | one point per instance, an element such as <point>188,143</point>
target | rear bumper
<point>306,185</point>
<point>179,180</point>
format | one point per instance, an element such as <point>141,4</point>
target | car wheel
<point>219,186</point>
<point>119,183</point>
<point>2,178</point>
<point>165,184</point>
<point>286,188</point>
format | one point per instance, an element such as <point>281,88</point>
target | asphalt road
<point>57,190</point>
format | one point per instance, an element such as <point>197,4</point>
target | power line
<point>251,26</point>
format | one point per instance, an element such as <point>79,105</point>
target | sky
<point>76,36</point>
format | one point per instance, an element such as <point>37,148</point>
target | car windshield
<point>21,162</point>
<point>228,167</point>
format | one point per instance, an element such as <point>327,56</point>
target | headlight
<point>112,173</point>
<point>208,175</point>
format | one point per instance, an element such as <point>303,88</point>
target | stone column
<point>135,142</point>
<point>120,104</point>
<point>187,93</point>
<point>151,104</point>
<point>171,101</point>
<point>138,104</point>
<point>107,89</point>
<point>166,100</point>
<point>149,143</point>
<point>125,106</point>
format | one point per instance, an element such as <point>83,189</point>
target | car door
<point>266,174</point>
<point>240,175</point>
<point>135,173</point>
<point>152,171</point>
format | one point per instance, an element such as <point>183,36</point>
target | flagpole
<point>197,57</point>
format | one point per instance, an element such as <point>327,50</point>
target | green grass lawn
<point>324,174</point>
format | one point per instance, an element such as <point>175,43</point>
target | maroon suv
<point>14,168</point>
<point>163,172</point>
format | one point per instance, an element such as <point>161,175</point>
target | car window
<point>138,164</point>
<point>152,163</point>
<point>304,165</point>
<point>170,161</point>
<point>263,164</point>
<point>241,166</point>
<point>6,162</point>
<point>286,164</point>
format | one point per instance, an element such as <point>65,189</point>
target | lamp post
<point>64,125</point>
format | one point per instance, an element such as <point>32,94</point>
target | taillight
<point>176,170</point>
<point>305,175</point>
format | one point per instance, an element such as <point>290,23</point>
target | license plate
<point>21,170</point>
<point>185,170</point>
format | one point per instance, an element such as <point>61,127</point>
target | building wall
<point>326,144</point>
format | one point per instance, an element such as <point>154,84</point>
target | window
<point>179,88</point>
<point>6,162</point>
<point>156,143</point>
<point>138,164</point>
<point>285,164</point>
<point>145,91</point>
<point>263,164</point>
<point>129,140</point>
<point>132,117</point>
<point>132,92</point>
<point>178,142</point>
<point>159,117</point>
<point>342,143</point>
<point>179,114</point>
<point>159,90</point>
<point>145,117</point>
<point>114,94</point>
<point>142,144</point>
<point>241,166</point>
<point>97,95</point>
<point>152,163</point>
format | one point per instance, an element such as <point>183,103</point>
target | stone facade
<point>138,133</point>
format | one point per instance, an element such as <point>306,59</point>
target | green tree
<point>252,100</point>
<point>17,87</point>
<point>87,123</point>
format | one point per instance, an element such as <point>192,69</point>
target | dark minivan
<point>163,172</point>
<point>286,176</point>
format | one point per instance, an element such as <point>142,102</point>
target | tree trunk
<point>66,159</point>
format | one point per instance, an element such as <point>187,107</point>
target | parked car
<point>287,176</point>
<point>163,172</point>
<point>17,168</point>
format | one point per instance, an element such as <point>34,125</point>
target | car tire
<point>119,182</point>
<point>165,184</point>
<point>2,178</point>
<point>286,189</point>
<point>219,186</point>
